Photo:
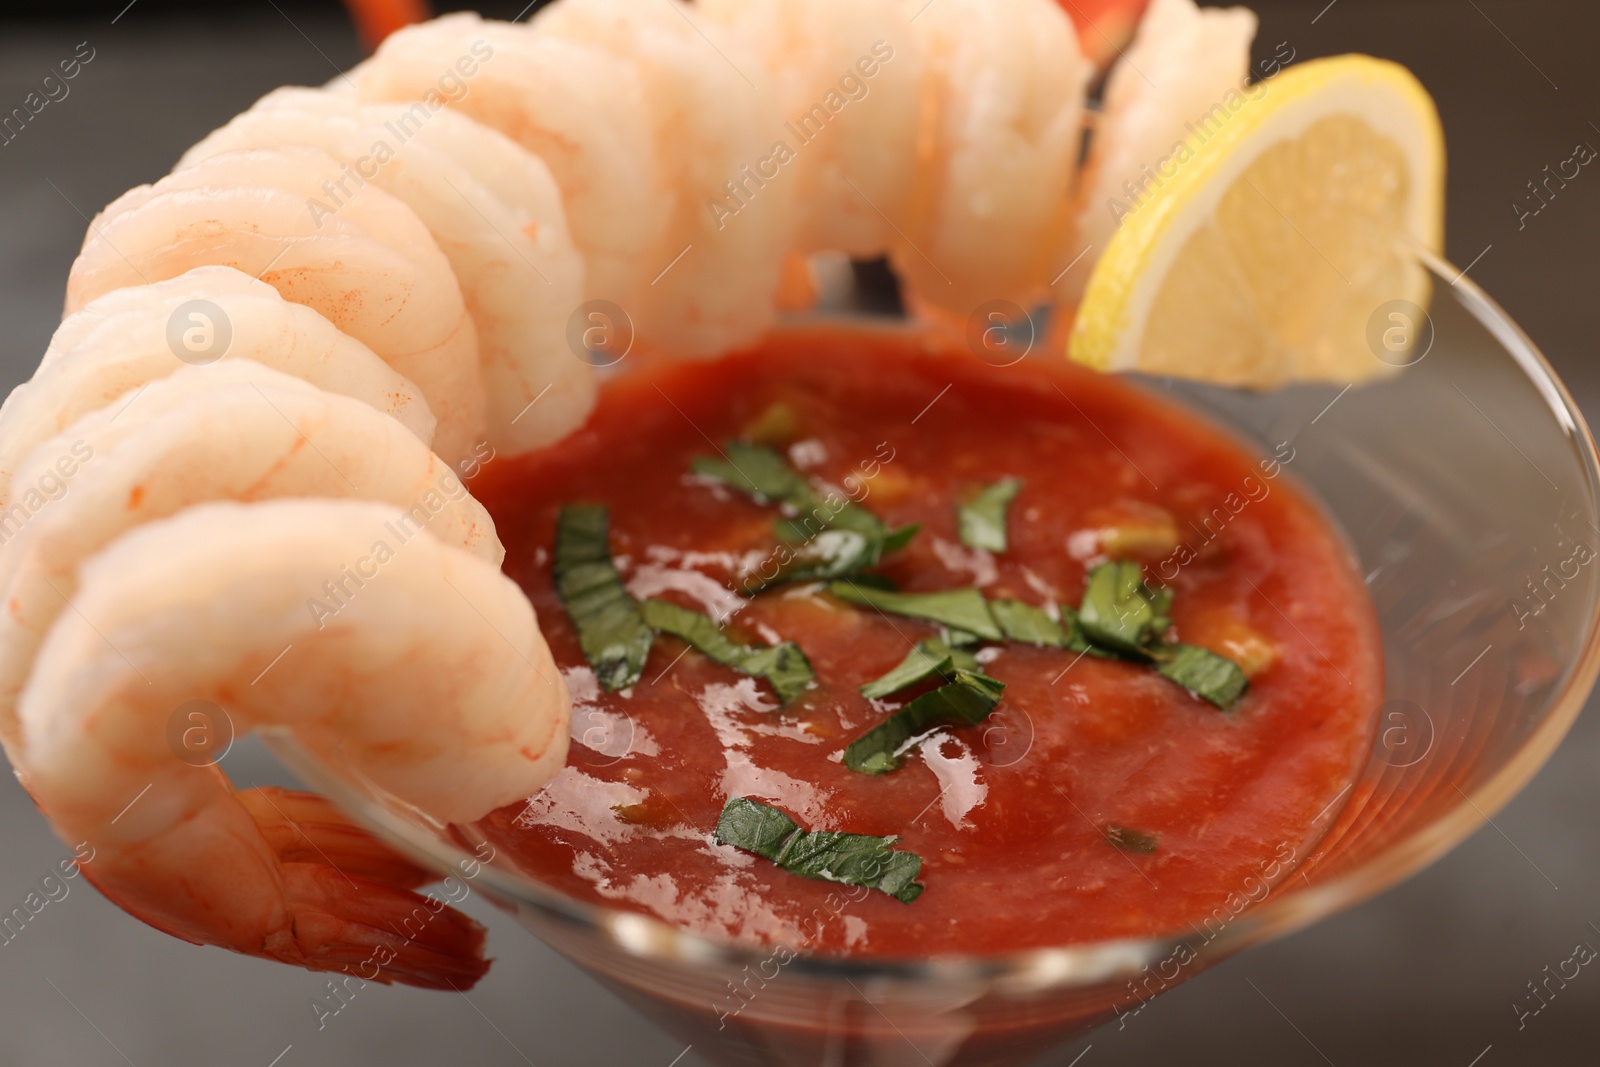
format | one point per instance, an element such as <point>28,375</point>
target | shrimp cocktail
<point>982,673</point>
<point>461,421</point>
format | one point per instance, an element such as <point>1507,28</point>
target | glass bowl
<point>1466,486</point>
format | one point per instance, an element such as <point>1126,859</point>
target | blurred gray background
<point>1428,974</point>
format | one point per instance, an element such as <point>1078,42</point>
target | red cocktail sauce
<point>1009,816</point>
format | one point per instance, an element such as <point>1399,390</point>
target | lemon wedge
<point>1267,247</point>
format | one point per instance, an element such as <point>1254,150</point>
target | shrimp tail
<point>306,828</point>
<point>377,932</point>
<point>349,895</point>
<point>347,898</point>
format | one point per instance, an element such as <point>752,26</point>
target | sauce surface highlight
<point>1011,816</point>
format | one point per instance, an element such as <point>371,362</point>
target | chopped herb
<point>928,658</point>
<point>1203,673</point>
<point>982,519</point>
<point>611,631</point>
<point>757,471</point>
<point>1131,840</point>
<point>850,516</point>
<point>956,609</point>
<point>1076,641</point>
<point>959,638</point>
<point>828,555</point>
<point>966,701</point>
<point>765,475</point>
<point>919,665</point>
<point>825,855</point>
<point>836,537</point>
<point>1033,626</point>
<point>963,660</point>
<point>700,631</point>
<point>1121,612</point>
<point>817,514</point>
<point>900,538</point>
<point>1028,624</point>
<point>784,666</point>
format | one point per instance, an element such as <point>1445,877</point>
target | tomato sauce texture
<point>1010,816</point>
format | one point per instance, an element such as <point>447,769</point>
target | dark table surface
<point>1427,974</point>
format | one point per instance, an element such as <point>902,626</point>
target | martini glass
<point>1467,487</point>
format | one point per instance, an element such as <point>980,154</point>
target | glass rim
<point>1083,963</point>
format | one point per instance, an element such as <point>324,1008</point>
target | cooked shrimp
<point>494,211</point>
<point>1003,94</point>
<point>573,106</point>
<point>367,264</point>
<point>131,336</point>
<point>457,709</point>
<point>233,431</point>
<point>849,78</point>
<point>1186,65</point>
<point>713,123</point>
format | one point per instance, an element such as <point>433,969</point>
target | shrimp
<point>571,105</point>
<point>232,431</point>
<point>364,261</point>
<point>128,337</point>
<point>849,78</point>
<point>714,125</point>
<point>457,709</point>
<point>1186,65</point>
<point>998,156</point>
<point>494,211</point>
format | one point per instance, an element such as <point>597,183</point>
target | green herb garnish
<point>1076,640</point>
<point>982,519</point>
<point>957,609</point>
<point>959,638</point>
<point>825,855</point>
<point>835,536</point>
<point>766,476</point>
<point>611,631</point>
<point>1028,624</point>
<point>1033,626</point>
<point>1203,673</point>
<point>919,665</point>
<point>757,471</point>
<point>900,538</point>
<point>966,701</point>
<point>817,514</point>
<point>928,658</point>
<point>784,666</point>
<point>1131,840</point>
<point>1121,612</point>
<point>828,555</point>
